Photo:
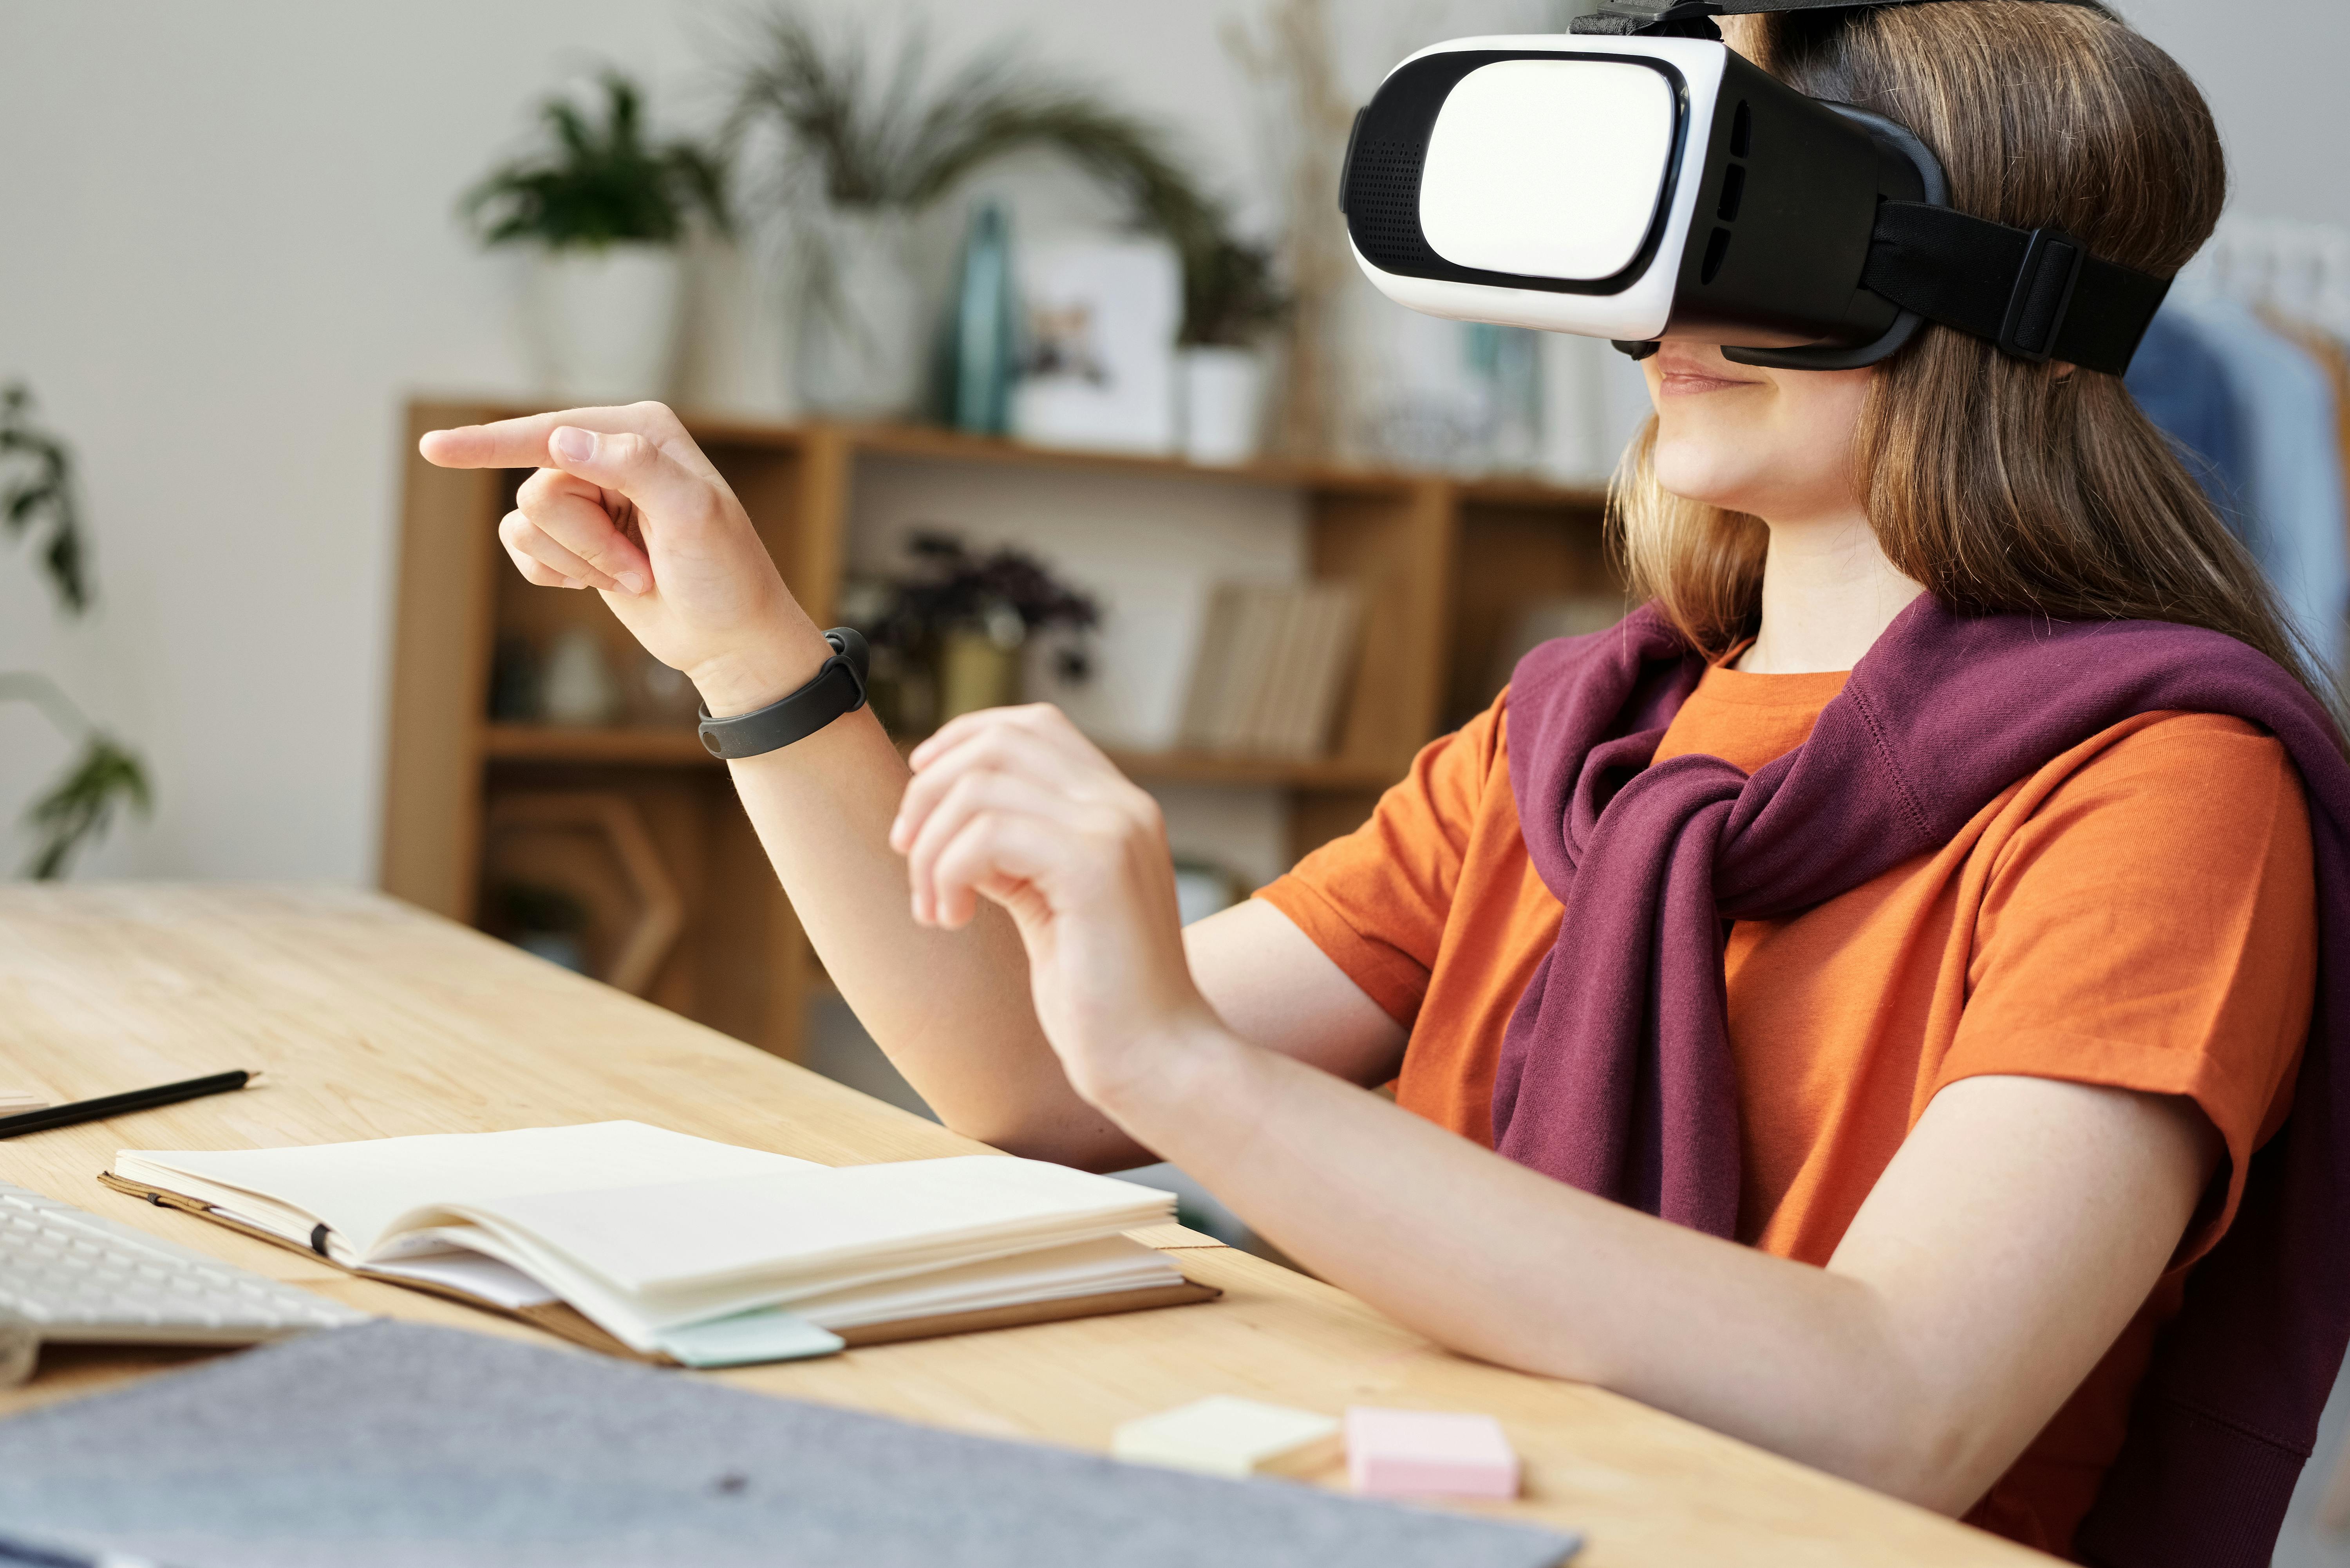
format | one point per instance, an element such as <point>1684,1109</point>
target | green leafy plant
<point>599,184</point>
<point>1231,297</point>
<point>37,490</point>
<point>865,135</point>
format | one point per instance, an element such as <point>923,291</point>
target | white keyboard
<point>67,1276</point>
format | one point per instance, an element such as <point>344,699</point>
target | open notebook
<point>637,1240</point>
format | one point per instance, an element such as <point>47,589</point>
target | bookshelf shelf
<point>1441,566</point>
<point>646,746</point>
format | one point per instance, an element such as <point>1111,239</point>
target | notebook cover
<point>396,1444</point>
<point>566,1322</point>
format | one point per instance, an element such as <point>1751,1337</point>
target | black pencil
<point>116,1104</point>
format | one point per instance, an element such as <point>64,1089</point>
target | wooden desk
<point>373,1020</point>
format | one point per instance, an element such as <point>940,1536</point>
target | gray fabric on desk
<point>394,1444</point>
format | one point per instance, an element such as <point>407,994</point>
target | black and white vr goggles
<point>1639,181</point>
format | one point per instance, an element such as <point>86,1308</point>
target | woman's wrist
<point>1190,1068</point>
<point>762,671</point>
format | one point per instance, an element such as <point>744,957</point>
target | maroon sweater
<point>1616,1072</point>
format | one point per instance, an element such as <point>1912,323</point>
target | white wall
<point>2273,70</point>
<point>228,256</point>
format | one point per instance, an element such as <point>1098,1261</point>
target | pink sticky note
<point>1428,1453</point>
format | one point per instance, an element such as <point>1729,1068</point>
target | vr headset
<point>1639,181</point>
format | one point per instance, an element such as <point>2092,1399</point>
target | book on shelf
<point>640,1241</point>
<point>1272,669</point>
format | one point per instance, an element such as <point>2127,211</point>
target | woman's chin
<point>1701,482</point>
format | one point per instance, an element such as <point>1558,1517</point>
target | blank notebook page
<point>360,1189</point>
<point>680,1237</point>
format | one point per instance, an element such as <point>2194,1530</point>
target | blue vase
<point>983,328</point>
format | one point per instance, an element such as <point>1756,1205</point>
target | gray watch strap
<point>836,689</point>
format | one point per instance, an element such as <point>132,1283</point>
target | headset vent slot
<point>1733,191</point>
<point>1716,250</point>
<point>1741,129</point>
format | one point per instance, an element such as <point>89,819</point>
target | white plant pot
<point>601,325</point>
<point>1222,392</point>
<point>863,337</point>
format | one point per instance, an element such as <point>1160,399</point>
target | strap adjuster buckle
<point>2042,294</point>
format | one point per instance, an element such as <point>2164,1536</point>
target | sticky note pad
<point>1428,1453</point>
<point>1223,1436</point>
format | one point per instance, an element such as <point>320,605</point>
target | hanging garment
<point>2182,383</point>
<point>1615,1073</point>
<point>2331,357</point>
<point>2300,527</point>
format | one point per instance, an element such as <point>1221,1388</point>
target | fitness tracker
<point>837,688</point>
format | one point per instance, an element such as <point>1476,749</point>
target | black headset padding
<point>1823,357</point>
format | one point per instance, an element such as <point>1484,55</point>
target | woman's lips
<point>1686,376</point>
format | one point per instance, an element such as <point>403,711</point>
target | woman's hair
<point>2000,484</point>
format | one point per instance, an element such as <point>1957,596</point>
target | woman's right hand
<point>625,503</point>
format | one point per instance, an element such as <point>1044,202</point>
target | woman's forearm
<point>952,1009</point>
<point>2001,1252</point>
<point>1497,1262</point>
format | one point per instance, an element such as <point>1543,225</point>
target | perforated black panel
<point>1382,202</point>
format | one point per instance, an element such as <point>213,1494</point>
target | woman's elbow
<point>1032,1136</point>
<point>1926,1452</point>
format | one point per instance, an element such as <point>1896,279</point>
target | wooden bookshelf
<point>1443,564</point>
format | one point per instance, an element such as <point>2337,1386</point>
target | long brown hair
<point>2000,484</point>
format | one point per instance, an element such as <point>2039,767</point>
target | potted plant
<point>604,212</point>
<point>949,639</point>
<point>855,155</point>
<point>1230,302</point>
<point>37,495</point>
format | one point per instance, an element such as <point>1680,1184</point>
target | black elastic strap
<point>1622,19</point>
<point>837,687</point>
<point>2038,293</point>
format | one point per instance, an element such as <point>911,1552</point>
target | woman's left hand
<point>1014,805</point>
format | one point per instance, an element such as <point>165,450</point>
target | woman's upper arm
<point>1275,988</point>
<point>2014,1235</point>
<point>2138,989</point>
<point>1329,964</point>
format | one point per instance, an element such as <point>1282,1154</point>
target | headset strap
<point>2038,293</point>
<point>1694,18</point>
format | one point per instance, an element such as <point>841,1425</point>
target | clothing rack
<point>2248,369</point>
<point>2300,269</point>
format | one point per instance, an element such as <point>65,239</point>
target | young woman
<point>1992,1101</point>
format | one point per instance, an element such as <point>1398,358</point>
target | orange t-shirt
<point>2140,913</point>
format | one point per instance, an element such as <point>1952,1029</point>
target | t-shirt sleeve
<point>2153,927</point>
<point>1376,900</point>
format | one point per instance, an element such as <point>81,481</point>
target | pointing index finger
<point>520,442</point>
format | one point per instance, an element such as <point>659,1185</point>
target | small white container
<point>863,332</point>
<point>1222,392</point>
<point>600,324</point>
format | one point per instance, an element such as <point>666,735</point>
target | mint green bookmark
<point>749,1337</point>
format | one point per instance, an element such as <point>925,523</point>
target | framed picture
<point>1098,368</point>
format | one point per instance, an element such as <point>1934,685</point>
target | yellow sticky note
<point>1223,1436</point>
